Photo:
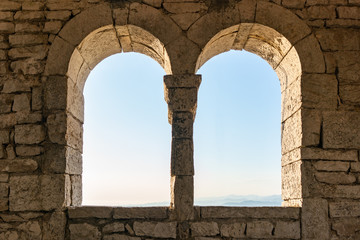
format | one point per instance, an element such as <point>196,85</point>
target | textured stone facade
<point>48,48</point>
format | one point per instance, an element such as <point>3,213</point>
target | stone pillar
<point>181,96</point>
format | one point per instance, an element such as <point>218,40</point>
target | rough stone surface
<point>158,230</point>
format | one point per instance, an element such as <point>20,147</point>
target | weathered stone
<point>331,166</point>
<point>29,134</point>
<point>90,212</point>
<point>182,196</point>
<point>29,15</point>
<point>141,213</point>
<point>315,213</point>
<point>182,160</point>
<point>7,16</point>
<point>250,212</point>
<point>325,154</point>
<point>349,12</point>
<point>54,226</point>
<point>294,4</point>
<point>236,230</point>
<point>58,15</point>
<point>259,229</point>
<point>113,227</point>
<point>6,27</point>
<point>119,237</point>
<point>335,178</point>
<point>347,227</point>
<point>84,231</point>
<point>322,12</point>
<point>186,7</point>
<point>331,39</point>
<point>153,229</point>
<point>199,229</point>
<point>31,230</point>
<point>21,103</point>
<point>27,28</point>
<point>185,20</point>
<point>291,181</point>
<point>344,209</point>
<point>32,6</point>
<point>355,167</point>
<point>21,165</point>
<point>341,130</point>
<point>5,103</point>
<point>34,192</point>
<point>27,39</point>
<point>35,52</point>
<point>76,190</point>
<point>7,120</point>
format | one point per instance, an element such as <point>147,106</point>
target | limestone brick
<point>331,39</point>
<point>29,134</point>
<point>29,15</point>
<point>182,159</point>
<point>182,196</point>
<point>26,151</point>
<point>7,27</point>
<point>113,228</point>
<point>35,52</point>
<point>316,215</point>
<point>157,230</point>
<point>349,12</point>
<point>141,213</point>
<point>9,5</point>
<point>27,39</point>
<point>84,231</point>
<point>344,209</point>
<point>259,229</point>
<point>32,6</point>
<point>58,15</point>
<point>120,237</point>
<point>335,178</point>
<point>54,226</point>
<point>21,103</point>
<point>203,229</point>
<point>236,230</point>
<point>331,166</point>
<point>52,27</point>
<point>7,16</point>
<point>90,212</point>
<point>341,130</point>
<point>25,27</point>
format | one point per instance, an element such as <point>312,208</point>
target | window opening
<point>237,132</point>
<point>127,137</point>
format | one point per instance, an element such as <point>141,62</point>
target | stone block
<point>21,103</point>
<point>335,177</point>
<point>27,39</point>
<point>28,66</point>
<point>7,27</point>
<point>33,193</point>
<point>54,226</point>
<point>6,102</point>
<point>341,130</point>
<point>29,134</point>
<point>185,20</point>
<point>334,39</point>
<point>289,70</point>
<point>291,133</point>
<point>292,185</point>
<point>30,230</point>
<point>294,4</point>
<point>155,229</point>
<point>90,212</point>
<point>4,136</point>
<point>182,159</point>
<point>58,58</point>
<point>32,6</point>
<point>58,15</point>
<point>52,27</point>
<point>83,231</point>
<point>18,165</point>
<point>119,237</point>
<point>344,209</point>
<point>26,151</point>
<point>76,189</point>
<point>315,213</point>
<point>86,22</point>
<point>328,154</point>
<point>182,197</point>
<point>56,92</point>
<point>181,99</point>
<point>321,12</point>
<point>36,99</point>
<point>332,166</point>
<point>141,14</point>
<point>250,212</point>
<point>236,230</point>
<point>9,6</point>
<point>141,213</point>
<point>203,229</point>
<point>7,16</point>
<point>347,227</point>
<point>113,227</point>
<point>345,191</point>
<point>29,15</point>
<point>355,167</point>
<point>182,125</point>
<point>259,229</point>
<point>7,120</point>
<point>350,94</point>
<point>319,91</point>
<point>27,28</point>
<point>348,12</point>
<point>289,24</point>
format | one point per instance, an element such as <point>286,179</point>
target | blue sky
<point>127,138</point>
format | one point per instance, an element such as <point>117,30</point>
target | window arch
<point>126,133</point>
<point>237,132</point>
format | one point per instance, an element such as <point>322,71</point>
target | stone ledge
<point>250,212</point>
<point>90,212</point>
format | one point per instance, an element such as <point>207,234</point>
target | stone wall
<point>48,48</point>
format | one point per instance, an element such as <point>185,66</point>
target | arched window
<point>126,133</point>
<point>237,132</point>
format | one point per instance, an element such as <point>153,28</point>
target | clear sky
<point>127,138</point>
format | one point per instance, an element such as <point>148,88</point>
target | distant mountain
<point>231,200</point>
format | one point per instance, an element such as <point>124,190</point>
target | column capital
<point>182,81</point>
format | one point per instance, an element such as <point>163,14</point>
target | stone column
<point>181,96</point>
